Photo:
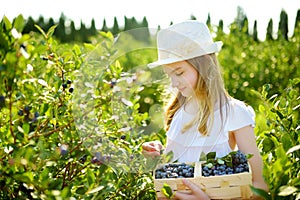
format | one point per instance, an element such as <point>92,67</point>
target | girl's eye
<point>178,73</point>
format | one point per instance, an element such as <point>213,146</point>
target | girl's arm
<point>246,142</point>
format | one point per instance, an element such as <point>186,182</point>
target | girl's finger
<point>192,186</point>
<point>150,153</point>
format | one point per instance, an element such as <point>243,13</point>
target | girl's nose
<point>174,82</point>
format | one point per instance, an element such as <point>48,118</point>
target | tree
<point>269,35</point>
<point>220,32</point>
<point>221,26</point>
<point>60,31</point>
<point>93,30</point>
<point>208,21</point>
<point>73,32</point>
<point>241,20</point>
<point>255,38</point>
<point>41,22</point>
<point>50,23</point>
<point>193,17</point>
<point>297,23</point>
<point>283,26</point>
<point>29,25</point>
<point>104,26</point>
<point>115,28</point>
<point>83,33</point>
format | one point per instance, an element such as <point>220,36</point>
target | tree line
<point>67,32</point>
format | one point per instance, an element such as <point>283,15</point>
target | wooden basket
<point>216,187</point>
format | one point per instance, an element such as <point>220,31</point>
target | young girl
<point>203,117</point>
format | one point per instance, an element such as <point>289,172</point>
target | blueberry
<point>123,137</point>
<point>95,160</point>
<point>36,114</point>
<point>63,149</point>
<point>71,90</point>
<point>112,84</point>
<point>69,81</point>
<point>64,85</point>
<point>2,99</point>
<point>83,159</point>
<point>20,113</point>
<point>27,108</point>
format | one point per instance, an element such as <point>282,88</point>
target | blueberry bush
<point>73,116</point>
<point>45,153</point>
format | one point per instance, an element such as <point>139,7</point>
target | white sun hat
<point>183,41</point>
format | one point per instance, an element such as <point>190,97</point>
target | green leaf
<point>80,190</point>
<point>168,157</point>
<point>76,49</point>
<point>248,156</point>
<point>97,189</point>
<point>294,148</point>
<point>297,196</point>
<point>167,191</point>
<point>209,165</point>
<point>18,23</point>
<point>260,192</point>
<point>26,128</point>
<point>41,30</point>
<point>90,177</point>
<point>7,23</point>
<point>202,156</point>
<point>51,31</point>
<point>287,190</point>
<point>220,161</point>
<point>286,141</point>
<point>268,144</point>
<point>26,177</point>
<point>211,155</point>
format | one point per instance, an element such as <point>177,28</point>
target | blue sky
<point>158,12</point>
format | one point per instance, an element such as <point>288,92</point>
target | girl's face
<point>183,76</point>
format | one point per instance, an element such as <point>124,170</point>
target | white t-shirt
<point>187,146</point>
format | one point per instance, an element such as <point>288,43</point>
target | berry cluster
<point>236,162</point>
<point>65,85</point>
<point>175,170</point>
<point>28,116</point>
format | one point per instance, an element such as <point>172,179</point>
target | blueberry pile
<point>175,170</point>
<point>233,163</point>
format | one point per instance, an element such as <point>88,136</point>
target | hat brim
<point>214,48</point>
<point>164,62</point>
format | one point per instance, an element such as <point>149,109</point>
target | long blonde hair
<point>210,93</point>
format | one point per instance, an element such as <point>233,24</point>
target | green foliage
<point>280,141</point>
<point>167,191</point>
<point>44,154</point>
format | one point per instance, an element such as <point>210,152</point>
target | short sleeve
<point>240,115</point>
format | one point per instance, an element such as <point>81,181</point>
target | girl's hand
<point>196,194</point>
<point>152,149</point>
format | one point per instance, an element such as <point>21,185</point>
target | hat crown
<point>184,41</point>
<point>191,30</point>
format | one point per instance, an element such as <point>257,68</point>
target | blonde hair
<point>210,93</point>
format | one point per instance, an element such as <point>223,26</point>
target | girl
<point>203,117</point>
